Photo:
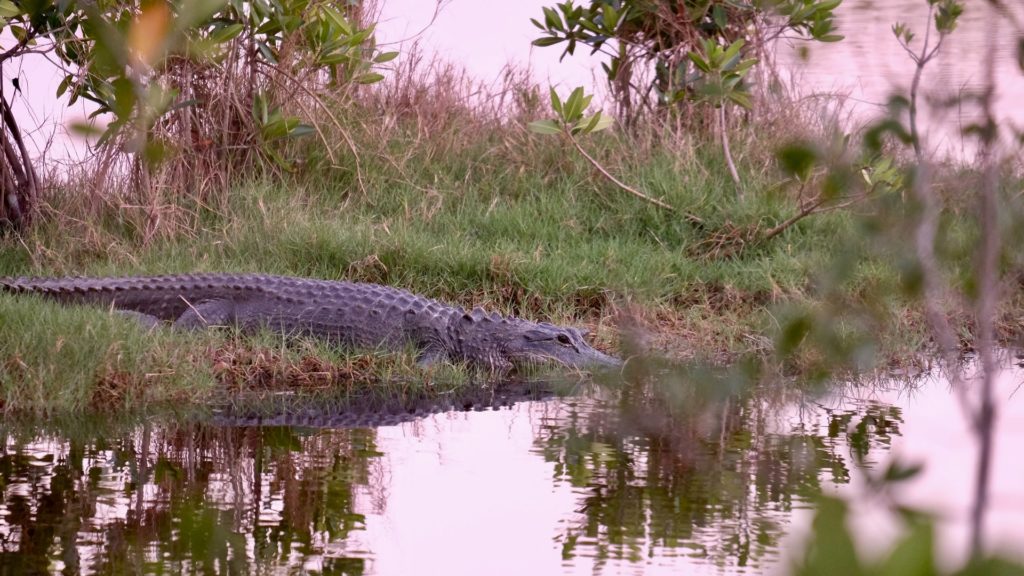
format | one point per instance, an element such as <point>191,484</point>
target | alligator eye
<point>562,338</point>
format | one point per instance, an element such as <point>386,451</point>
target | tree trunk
<point>18,182</point>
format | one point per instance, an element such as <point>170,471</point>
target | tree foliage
<point>204,80</point>
<point>698,49</point>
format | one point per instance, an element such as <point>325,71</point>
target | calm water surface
<point>576,485</point>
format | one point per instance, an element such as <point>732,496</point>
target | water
<point>583,484</point>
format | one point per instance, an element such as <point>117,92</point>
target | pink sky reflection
<point>466,493</point>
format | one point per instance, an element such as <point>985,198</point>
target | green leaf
<point>369,78</point>
<point>741,99</point>
<point>733,51</point>
<point>259,108</point>
<point>611,17</point>
<point>20,33</point>
<point>719,17</point>
<point>64,85</point>
<point>385,57</point>
<point>897,472</point>
<point>594,123</point>
<point>9,9</point>
<point>831,549</point>
<point>552,20</point>
<point>798,159</point>
<point>336,18</point>
<point>301,130</point>
<point>574,105</point>
<point>914,555</point>
<point>590,27</point>
<point>793,334</point>
<point>85,129</point>
<point>192,13</point>
<point>556,103</point>
<point>744,65</point>
<point>228,33</point>
<point>947,15</point>
<point>278,127</point>
<point>699,62</point>
<point>547,41</point>
<point>267,52</point>
<point>332,59</point>
<point>124,98</point>
<point>604,121</point>
<point>545,127</point>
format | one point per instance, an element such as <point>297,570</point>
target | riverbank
<point>494,217</point>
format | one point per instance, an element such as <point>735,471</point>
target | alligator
<point>349,314</point>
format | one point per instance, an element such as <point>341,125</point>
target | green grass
<point>61,360</point>
<point>533,232</point>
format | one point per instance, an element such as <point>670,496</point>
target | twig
<point>26,192</point>
<point>690,217</point>
<point>728,153</point>
<point>803,213</point>
<point>988,297</point>
<point>17,49</point>
<point>920,60</point>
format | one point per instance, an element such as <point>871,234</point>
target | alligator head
<point>548,343</point>
<point>504,343</point>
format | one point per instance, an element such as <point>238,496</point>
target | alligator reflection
<point>715,481</point>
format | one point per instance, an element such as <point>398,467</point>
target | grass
<point>61,360</point>
<point>479,213</point>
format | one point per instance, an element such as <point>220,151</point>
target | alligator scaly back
<point>355,315</point>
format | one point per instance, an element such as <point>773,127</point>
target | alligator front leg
<point>145,320</point>
<point>206,314</point>
<point>430,356</point>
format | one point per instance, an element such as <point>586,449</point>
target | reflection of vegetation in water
<point>195,497</point>
<point>710,474</point>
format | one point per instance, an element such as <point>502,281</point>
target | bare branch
<point>988,272</point>
<point>728,153</point>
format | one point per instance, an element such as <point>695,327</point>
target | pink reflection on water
<point>468,493</point>
<point>935,433</point>
<point>468,496</point>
